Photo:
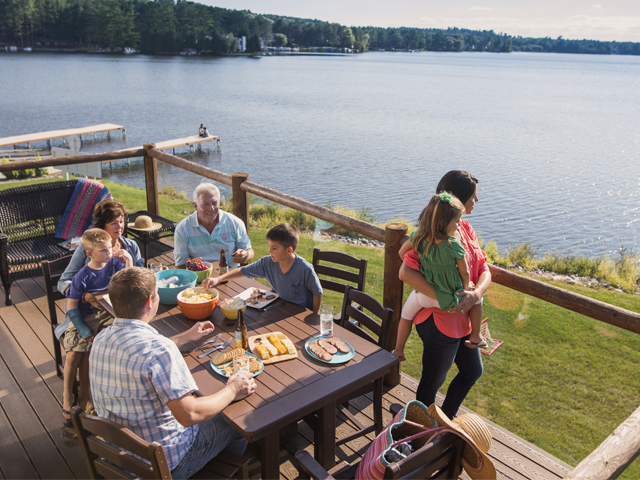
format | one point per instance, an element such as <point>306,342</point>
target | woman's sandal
<point>470,344</point>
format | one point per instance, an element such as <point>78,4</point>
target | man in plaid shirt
<point>140,380</point>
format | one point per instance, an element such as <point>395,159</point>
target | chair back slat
<point>51,272</point>
<point>341,259</point>
<point>119,457</point>
<point>439,459</point>
<point>100,438</point>
<point>369,304</point>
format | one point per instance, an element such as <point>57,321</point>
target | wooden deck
<point>179,142</point>
<point>53,134</point>
<point>33,443</point>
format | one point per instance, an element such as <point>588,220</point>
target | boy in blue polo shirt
<point>289,275</point>
<point>83,320</point>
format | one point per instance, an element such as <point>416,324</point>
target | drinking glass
<point>241,364</point>
<point>326,319</point>
<point>155,267</point>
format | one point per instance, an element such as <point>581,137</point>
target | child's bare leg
<point>475,316</point>
<point>84,392</point>
<point>70,368</point>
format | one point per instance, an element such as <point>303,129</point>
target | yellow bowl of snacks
<point>198,303</point>
<point>231,306</point>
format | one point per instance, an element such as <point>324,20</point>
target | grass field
<point>561,380</point>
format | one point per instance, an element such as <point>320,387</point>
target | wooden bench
<point>29,217</point>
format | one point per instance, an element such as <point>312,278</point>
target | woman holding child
<point>444,333</point>
<point>109,215</point>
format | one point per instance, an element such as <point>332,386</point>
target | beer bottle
<point>223,266</point>
<point>241,332</point>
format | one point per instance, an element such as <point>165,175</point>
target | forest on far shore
<point>169,26</point>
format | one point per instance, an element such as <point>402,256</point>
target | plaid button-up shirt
<point>134,372</point>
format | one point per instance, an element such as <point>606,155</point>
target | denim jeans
<point>214,435</point>
<point>439,354</point>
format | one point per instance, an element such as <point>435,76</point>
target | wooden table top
<point>289,390</point>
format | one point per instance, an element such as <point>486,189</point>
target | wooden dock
<point>55,134</point>
<point>179,142</point>
<point>33,443</point>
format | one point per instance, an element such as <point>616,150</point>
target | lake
<point>554,139</point>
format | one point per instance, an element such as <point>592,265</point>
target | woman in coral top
<point>443,333</point>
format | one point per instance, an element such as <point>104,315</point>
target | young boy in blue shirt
<point>83,320</point>
<point>289,275</point>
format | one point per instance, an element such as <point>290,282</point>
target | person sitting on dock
<point>201,130</point>
<point>208,230</point>
<point>140,380</point>
<point>205,132</point>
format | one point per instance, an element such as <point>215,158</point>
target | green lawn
<point>561,381</point>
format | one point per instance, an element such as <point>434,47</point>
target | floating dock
<point>55,134</point>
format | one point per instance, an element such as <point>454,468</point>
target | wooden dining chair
<point>52,271</point>
<point>364,310</point>
<point>112,451</point>
<point>440,459</point>
<point>342,259</point>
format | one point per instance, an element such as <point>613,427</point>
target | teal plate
<point>337,358</point>
<point>218,368</point>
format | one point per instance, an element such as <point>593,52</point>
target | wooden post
<point>393,293</point>
<point>151,180</point>
<point>240,198</point>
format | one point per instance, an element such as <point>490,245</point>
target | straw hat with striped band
<point>475,460</point>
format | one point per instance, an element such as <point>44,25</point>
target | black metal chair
<point>337,258</point>
<point>362,321</point>
<point>52,271</point>
<point>112,451</point>
<point>167,229</point>
<point>29,217</point>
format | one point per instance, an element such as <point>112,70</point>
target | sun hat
<point>471,427</point>
<point>144,223</point>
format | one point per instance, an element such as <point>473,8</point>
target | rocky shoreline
<point>593,282</point>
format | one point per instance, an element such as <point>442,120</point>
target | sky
<point>605,20</point>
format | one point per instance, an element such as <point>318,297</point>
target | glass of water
<point>241,364</point>
<point>326,319</point>
<point>155,267</point>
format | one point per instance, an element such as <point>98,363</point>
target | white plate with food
<point>258,297</point>
<point>340,353</point>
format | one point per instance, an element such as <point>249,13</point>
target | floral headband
<point>446,197</point>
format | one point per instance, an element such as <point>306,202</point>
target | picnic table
<point>287,391</point>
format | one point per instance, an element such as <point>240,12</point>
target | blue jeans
<point>439,354</point>
<point>214,435</point>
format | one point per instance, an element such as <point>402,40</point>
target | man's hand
<point>240,256</point>
<point>243,384</point>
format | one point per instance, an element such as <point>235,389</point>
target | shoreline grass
<point>561,381</point>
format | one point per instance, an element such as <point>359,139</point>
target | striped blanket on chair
<point>79,212</point>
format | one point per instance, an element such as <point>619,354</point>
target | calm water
<point>554,139</point>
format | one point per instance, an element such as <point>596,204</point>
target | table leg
<point>325,436</point>
<point>270,455</point>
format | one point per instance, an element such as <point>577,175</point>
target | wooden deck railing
<point>607,461</point>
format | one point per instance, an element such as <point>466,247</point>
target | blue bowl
<point>186,278</point>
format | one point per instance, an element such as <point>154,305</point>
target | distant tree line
<point>168,26</point>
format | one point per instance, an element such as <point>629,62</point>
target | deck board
<point>34,445</point>
<point>53,134</point>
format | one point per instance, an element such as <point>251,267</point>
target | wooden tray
<point>253,341</point>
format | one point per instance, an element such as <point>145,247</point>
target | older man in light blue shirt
<point>208,230</point>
